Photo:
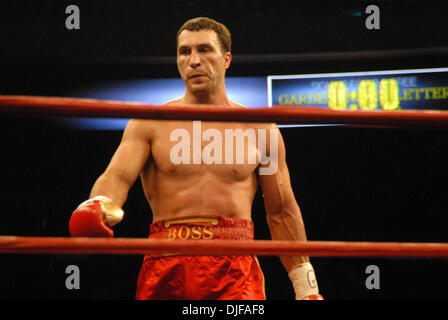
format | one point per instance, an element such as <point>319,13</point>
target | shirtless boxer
<point>199,201</point>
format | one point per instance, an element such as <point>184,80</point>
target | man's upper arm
<point>276,187</point>
<point>132,153</point>
<point>282,211</point>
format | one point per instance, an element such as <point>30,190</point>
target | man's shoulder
<point>143,128</point>
<point>147,127</point>
<point>175,102</point>
<point>258,125</point>
<point>237,105</point>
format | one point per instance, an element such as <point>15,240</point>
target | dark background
<point>352,183</point>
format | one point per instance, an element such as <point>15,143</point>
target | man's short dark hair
<point>204,23</point>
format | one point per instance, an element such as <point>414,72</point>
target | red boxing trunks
<point>166,277</point>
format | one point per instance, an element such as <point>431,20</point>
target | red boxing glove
<point>93,218</point>
<point>315,297</point>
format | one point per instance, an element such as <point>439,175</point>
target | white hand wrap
<point>92,200</point>
<point>303,280</point>
<point>113,214</point>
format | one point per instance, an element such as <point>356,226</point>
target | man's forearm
<point>288,226</point>
<point>111,186</point>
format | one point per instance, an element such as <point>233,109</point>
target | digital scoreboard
<point>418,89</point>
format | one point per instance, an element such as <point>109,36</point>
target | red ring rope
<point>52,106</point>
<point>18,244</point>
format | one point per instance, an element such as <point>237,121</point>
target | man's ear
<point>227,59</point>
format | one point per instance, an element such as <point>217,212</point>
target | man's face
<point>200,60</point>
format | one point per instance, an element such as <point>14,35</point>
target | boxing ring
<point>35,106</point>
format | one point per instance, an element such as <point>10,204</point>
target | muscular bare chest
<point>198,147</point>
